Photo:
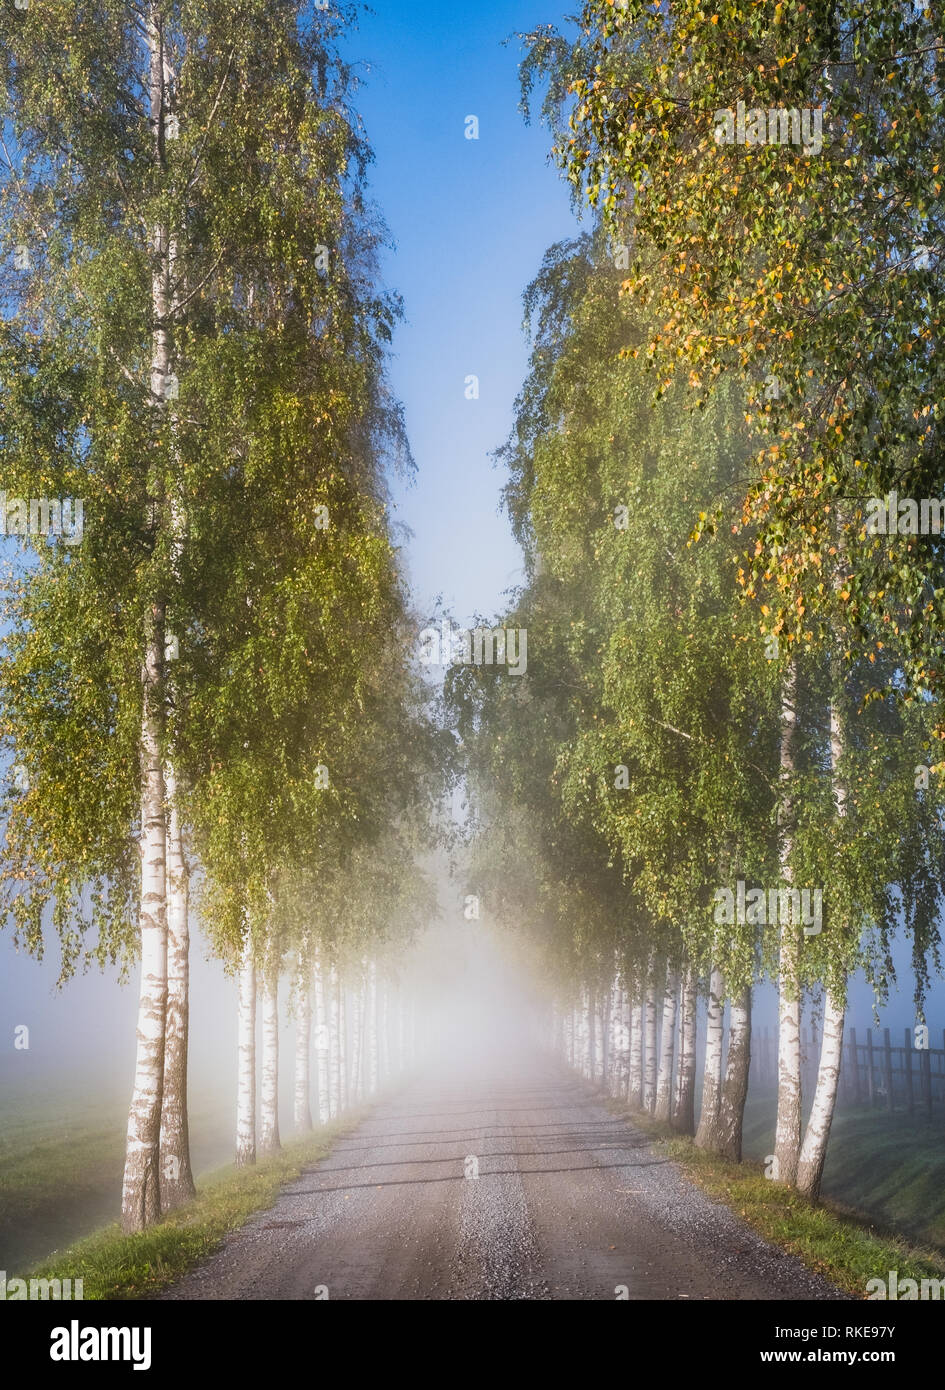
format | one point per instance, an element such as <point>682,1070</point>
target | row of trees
<point>358,1022</point>
<point>724,762</point>
<point>206,688</point>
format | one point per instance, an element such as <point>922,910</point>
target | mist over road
<point>571,1202</point>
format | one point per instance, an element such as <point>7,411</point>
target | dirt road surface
<point>571,1202</point>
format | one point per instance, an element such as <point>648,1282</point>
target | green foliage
<point>247,506</point>
<point>634,770</point>
<point>818,267</point>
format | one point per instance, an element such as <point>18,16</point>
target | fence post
<point>907,1067</point>
<point>887,1068</point>
<point>869,1067</point>
<point>855,1066</point>
<point>925,1071</point>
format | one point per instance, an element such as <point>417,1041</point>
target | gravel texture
<point>571,1202</point>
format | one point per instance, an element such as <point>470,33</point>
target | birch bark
<point>334,1075</point>
<point>735,1086</point>
<point>177,1181</point>
<point>635,1095</point>
<point>787,1142</point>
<point>707,1135</point>
<point>246,1052</point>
<point>813,1155</point>
<point>269,1142</point>
<point>141,1185</point>
<point>664,1084</point>
<point>302,1108</point>
<point>684,1115</point>
<point>650,1061</point>
<point>372,1063</point>
<point>321,1043</point>
<point>342,1049</point>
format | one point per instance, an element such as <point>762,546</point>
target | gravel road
<point>571,1202</point>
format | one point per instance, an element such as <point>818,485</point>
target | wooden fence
<point>874,1070</point>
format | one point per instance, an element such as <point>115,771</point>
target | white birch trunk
<point>707,1133</point>
<point>373,1066</point>
<point>684,1113</point>
<point>177,1182</point>
<point>664,1084</point>
<point>342,1047</point>
<point>603,1017</point>
<point>383,1037</point>
<point>787,1141</point>
<point>321,1044</point>
<point>650,1061</point>
<point>735,1085</point>
<point>619,1043</point>
<point>141,1199</point>
<point>635,1094</point>
<point>334,1054</point>
<point>626,1034</point>
<point>302,1112</point>
<point>357,1041</point>
<point>246,1051</point>
<point>810,1169</point>
<point>269,1141</point>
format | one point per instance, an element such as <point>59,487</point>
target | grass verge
<point>841,1246</point>
<point>115,1266</point>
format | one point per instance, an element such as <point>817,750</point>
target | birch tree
<point>185,356</point>
<point>302,1094</point>
<point>246,1045</point>
<point>269,1139</point>
<point>664,1085</point>
<point>684,1100</point>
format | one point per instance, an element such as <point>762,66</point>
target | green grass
<point>888,1167</point>
<point>61,1164</point>
<point>114,1266</point>
<point>842,1245</point>
<point>60,1170</point>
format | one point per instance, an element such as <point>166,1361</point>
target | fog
<point>467,978</point>
<point>472,988</point>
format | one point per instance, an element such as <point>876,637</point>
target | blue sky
<point>471,220</point>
